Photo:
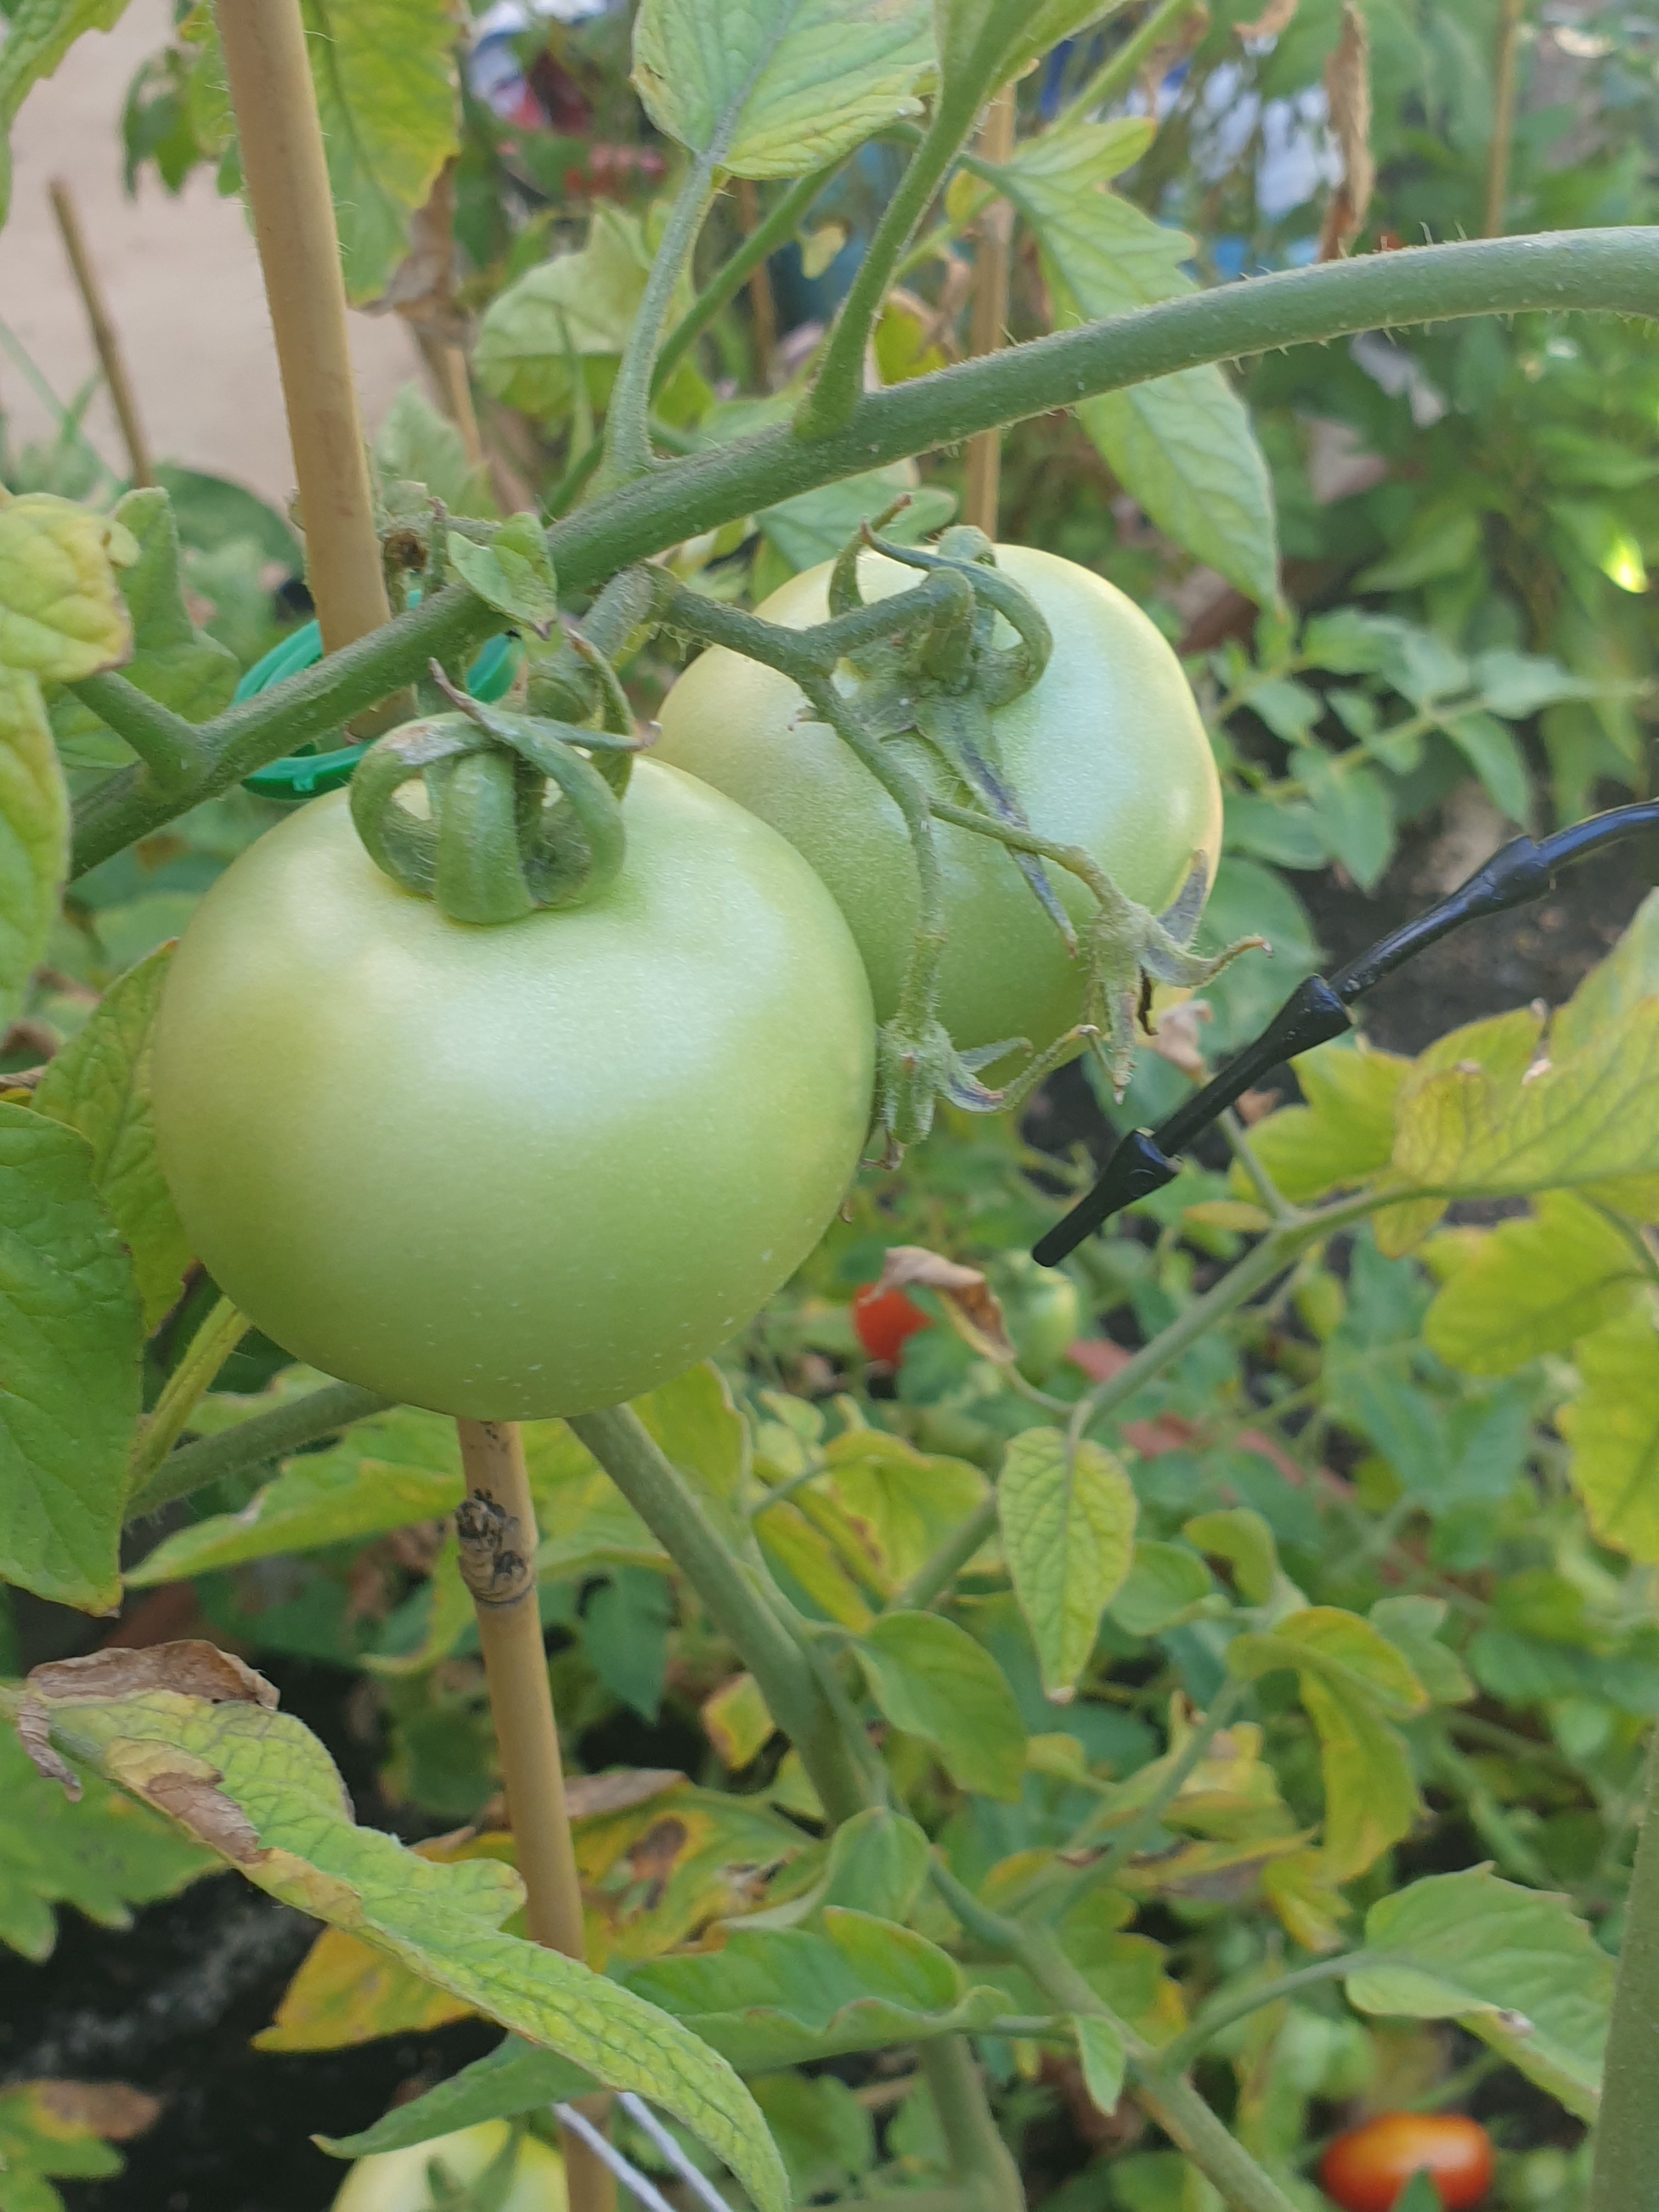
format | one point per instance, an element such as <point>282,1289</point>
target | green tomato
<point>514,1172</point>
<point>1106,750</point>
<point>1043,1311</point>
<point>400,2180</point>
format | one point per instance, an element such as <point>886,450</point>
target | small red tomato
<point>1367,2169</point>
<point>883,1320</point>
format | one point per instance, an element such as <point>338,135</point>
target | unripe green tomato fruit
<point>517,1171</point>
<point>398,2180</point>
<point>1043,1312</point>
<point>1106,750</point>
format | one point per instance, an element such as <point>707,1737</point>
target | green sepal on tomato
<point>514,1172</point>
<point>1106,750</point>
<point>1367,2169</point>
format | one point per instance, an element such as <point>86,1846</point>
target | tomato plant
<point>1367,2169</point>
<point>519,1171</point>
<point>1106,750</point>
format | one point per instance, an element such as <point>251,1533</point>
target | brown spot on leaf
<point>192,1669</point>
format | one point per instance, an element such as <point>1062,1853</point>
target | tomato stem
<point>257,1441</point>
<point>1624,2177</point>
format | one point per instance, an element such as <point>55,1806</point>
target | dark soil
<point>170,2006</point>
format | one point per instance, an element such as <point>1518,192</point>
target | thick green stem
<point>161,1429</point>
<point>169,746</point>
<point>1119,70</point>
<point>623,1448</point>
<point>779,226</point>
<point>1626,2174</point>
<point>980,2160</point>
<point>627,418</point>
<point>1614,271</point>
<point>253,1442</point>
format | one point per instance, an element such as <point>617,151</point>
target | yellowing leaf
<point>803,1553</point>
<point>932,1680</point>
<point>1613,1426</point>
<point>1345,1132</point>
<point>567,318</point>
<point>70,1334</point>
<point>1517,1968</point>
<point>261,1789</point>
<point>391,1469</point>
<point>34,829</point>
<point>99,1085</point>
<point>776,87</point>
<point>901,1504</point>
<point>657,1873</point>
<point>1068,1523</point>
<point>62,616</point>
<point>1533,1286</point>
<point>1614,987</point>
<point>736,1722</point>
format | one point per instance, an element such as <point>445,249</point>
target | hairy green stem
<point>167,1421</point>
<point>1626,2174</point>
<point>779,225</point>
<point>979,2159</point>
<point>170,747</point>
<point>627,415</point>
<point>1175,2057</point>
<point>1118,72</point>
<point>1614,272</point>
<point>253,1442</point>
<point>1168,2098</point>
<point>624,1449</point>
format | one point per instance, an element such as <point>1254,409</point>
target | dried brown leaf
<point>192,1670</point>
<point>1278,15</point>
<point>973,1309</point>
<point>112,2110</point>
<point>1348,89</point>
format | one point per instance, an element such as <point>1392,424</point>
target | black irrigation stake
<point>1318,1011</point>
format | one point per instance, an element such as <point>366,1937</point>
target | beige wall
<point>180,275</point>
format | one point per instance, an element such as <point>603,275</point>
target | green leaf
<point>1516,1967</point>
<point>1533,1286</point>
<point>1613,1426</point>
<point>34,834</point>
<point>38,33</point>
<point>983,43</point>
<point>417,445</point>
<point>779,87</point>
<point>1068,1523</point>
<point>99,1085</point>
<point>102,1856</point>
<point>932,1680</point>
<point>570,316</point>
<point>1101,2054</point>
<point>1412,1626</point>
<point>515,2077</point>
<point>1614,987</point>
<point>172,661</point>
<point>1166,1585</point>
<point>386,1472</point>
<point>1345,1132</point>
<point>258,1787</point>
<point>1349,1676</point>
<point>773,1997</point>
<point>827,2138</point>
<point>1181,444</point>
<point>814,525</point>
<point>1495,755</point>
<point>901,1504</point>
<point>1243,1538</point>
<point>387,91</point>
<point>70,1336</point>
<point>700,1433</point>
<point>513,573</point>
<point>62,616</point>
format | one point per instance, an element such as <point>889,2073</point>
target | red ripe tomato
<point>885,1320</point>
<point>1367,2169</point>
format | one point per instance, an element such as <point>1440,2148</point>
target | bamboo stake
<point>269,74</point>
<point>1510,19</point>
<point>760,302</point>
<point>990,315</point>
<point>108,346</point>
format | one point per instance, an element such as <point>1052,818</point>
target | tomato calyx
<point>493,846</point>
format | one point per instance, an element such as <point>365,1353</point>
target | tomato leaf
<point>99,1085</point>
<point>779,87</point>
<point>515,2077</point>
<point>275,1809</point>
<point>1068,1521</point>
<point>1533,1286</point>
<point>388,1470</point>
<point>64,2130</point>
<point>70,1336</point>
<point>567,317</point>
<point>982,43</point>
<point>900,1503</point>
<point>62,616</point>
<point>736,1722</point>
<point>1517,1968</point>
<point>932,1680</point>
<point>415,444</point>
<point>512,574</point>
<point>34,831</point>
<point>1613,1429</point>
<point>1101,2054</point>
<point>1181,444</point>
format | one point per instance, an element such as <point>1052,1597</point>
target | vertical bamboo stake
<point>990,315</point>
<point>760,302</point>
<point>1503,116</point>
<point>269,74</point>
<point>108,346</point>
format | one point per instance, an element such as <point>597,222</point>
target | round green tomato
<point>1043,1311</point>
<point>400,2180</point>
<point>518,1171</point>
<point>1106,750</point>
